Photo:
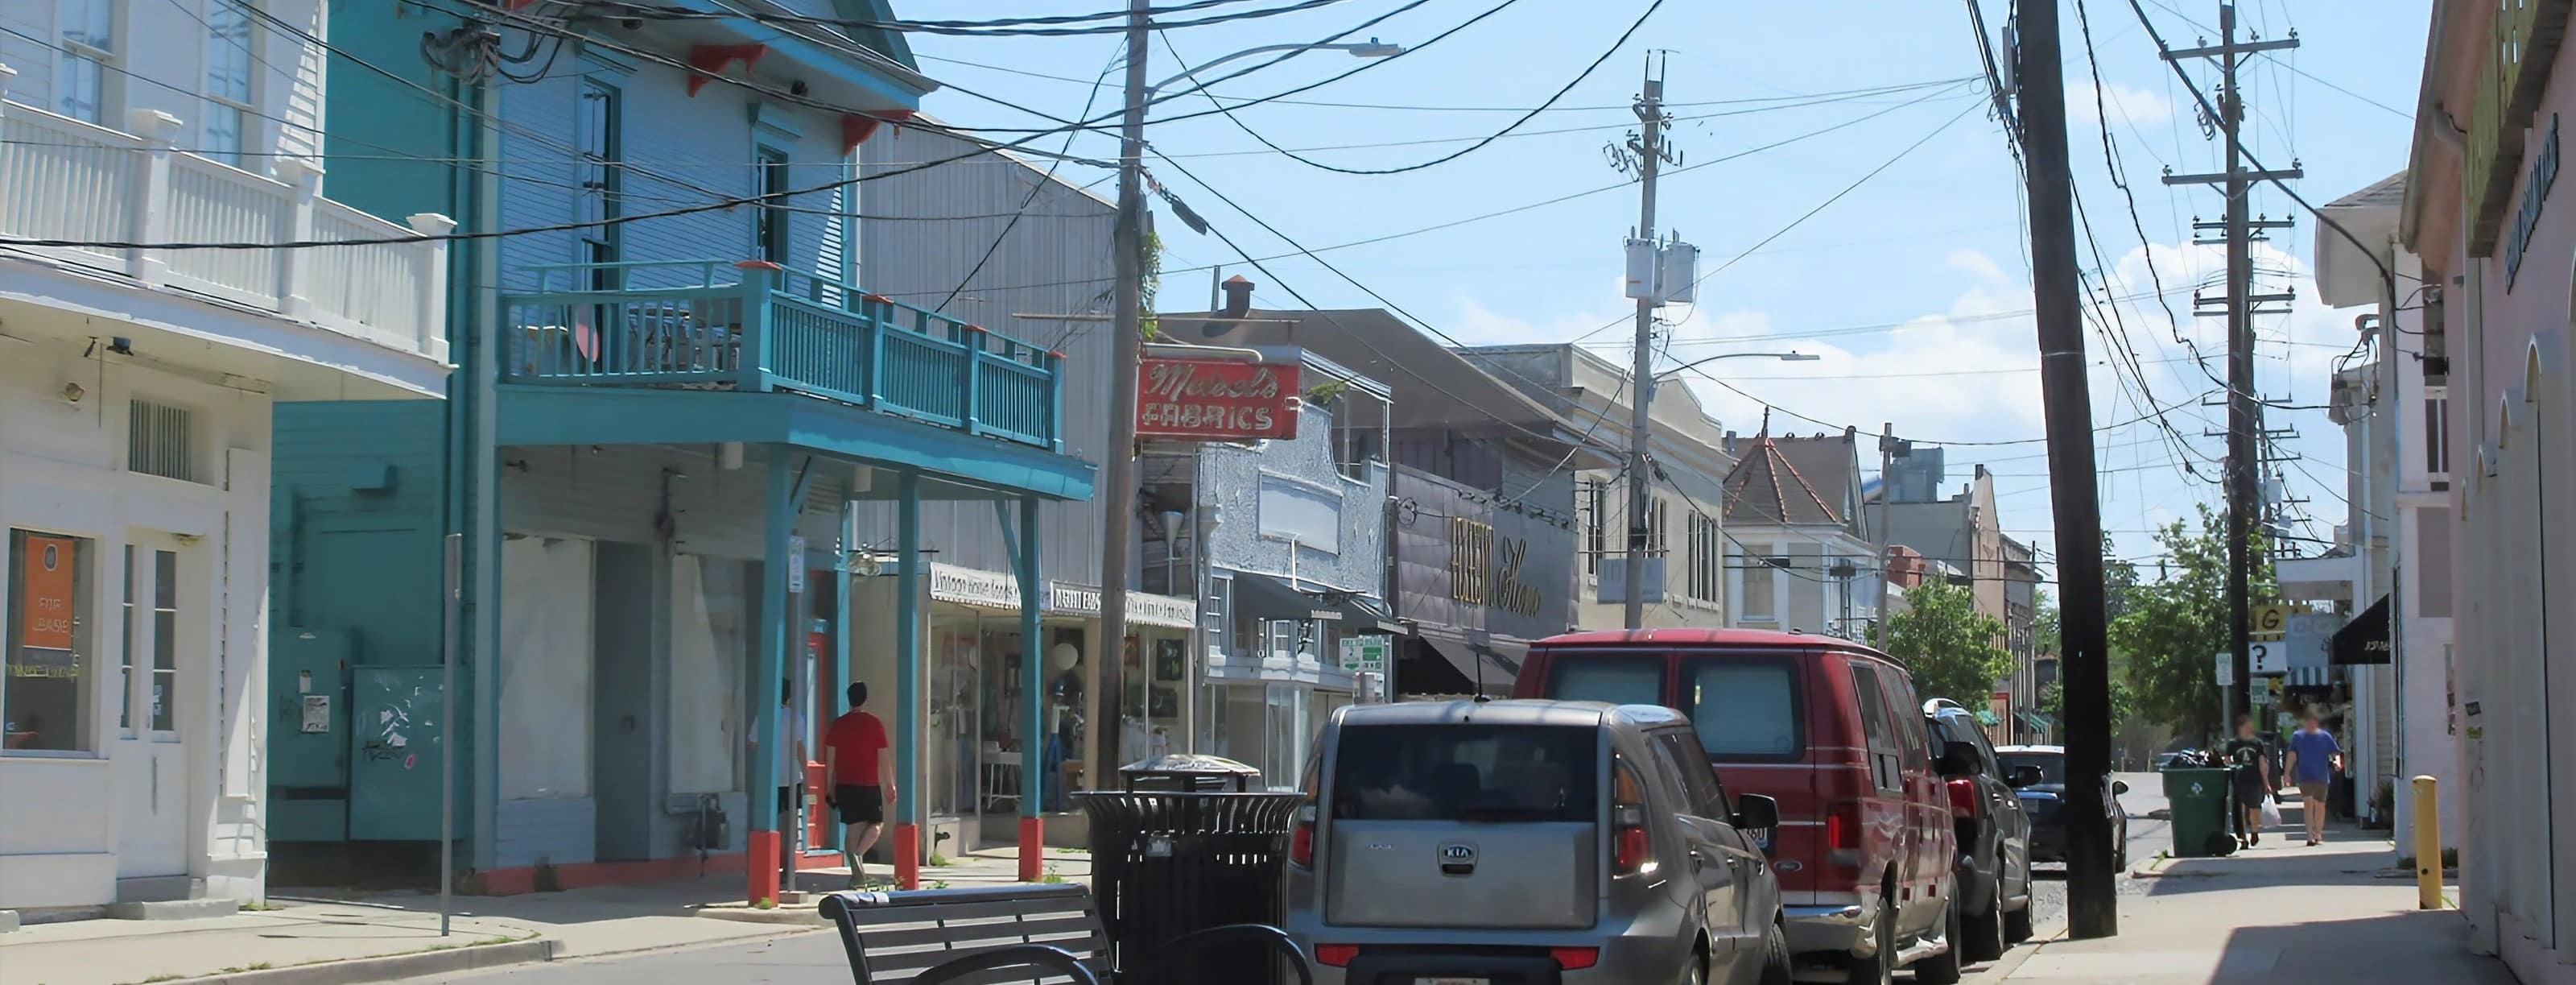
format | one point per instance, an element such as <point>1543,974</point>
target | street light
<point>1372,48</point>
<point>1786,357</point>
<point>1126,344</point>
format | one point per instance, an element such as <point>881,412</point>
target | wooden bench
<point>995,934</point>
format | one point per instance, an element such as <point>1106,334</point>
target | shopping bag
<point>2271,812</point>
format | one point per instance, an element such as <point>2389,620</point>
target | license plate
<point>1453,981</point>
<point>1762,840</point>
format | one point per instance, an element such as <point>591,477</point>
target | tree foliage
<point>2173,627</point>
<point>1948,643</point>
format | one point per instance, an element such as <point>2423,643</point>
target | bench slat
<point>880,916</point>
<point>972,936</point>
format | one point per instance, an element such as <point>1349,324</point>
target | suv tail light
<point>1632,848</point>
<point>1301,839</point>
<point>1336,955</point>
<point>1964,799</point>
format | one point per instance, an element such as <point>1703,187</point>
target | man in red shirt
<point>862,777</point>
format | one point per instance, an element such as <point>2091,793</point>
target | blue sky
<point>1912,288</point>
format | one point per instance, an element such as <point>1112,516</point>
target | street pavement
<point>2146,838</point>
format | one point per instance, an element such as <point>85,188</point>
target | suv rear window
<point>1617,680</point>
<point>1744,708</point>
<point>1467,773</point>
<point>2052,765</point>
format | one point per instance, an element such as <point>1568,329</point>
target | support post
<point>841,678</point>
<point>1641,477</point>
<point>1885,538</point>
<point>907,682</point>
<point>150,221</point>
<point>1032,688</point>
<point>2243,468</point>
<point>1118,474</point>
<point>2428,846</point>
<point>777,616</point>
<point>303,180</point>
<point>2091,909</point>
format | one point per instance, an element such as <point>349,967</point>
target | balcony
<point>71,182</point>
<point>754,327</point>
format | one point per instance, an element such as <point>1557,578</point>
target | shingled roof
<point>1785,481</point>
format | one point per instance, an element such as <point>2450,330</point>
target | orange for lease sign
<point>50,574</point>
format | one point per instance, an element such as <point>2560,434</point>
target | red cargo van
<point>1833,731</point>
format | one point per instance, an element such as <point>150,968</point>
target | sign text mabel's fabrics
<point>1215,400</point>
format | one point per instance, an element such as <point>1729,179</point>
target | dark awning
<point>2364,640</point>
<point>1492,673</point>
<point>1272,597</point>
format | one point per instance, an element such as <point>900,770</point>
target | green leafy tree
<point>1948,643</point>
<point>2052,702</point>
<point>2171,629</point>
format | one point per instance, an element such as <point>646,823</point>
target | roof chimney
<point>1730,442</point>
<point>1238,297</point>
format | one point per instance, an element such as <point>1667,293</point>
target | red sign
<point>1215,400</point>
<point>50,570</point>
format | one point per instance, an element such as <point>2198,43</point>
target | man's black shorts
<point>859,805</point>
<point>2249,788</point>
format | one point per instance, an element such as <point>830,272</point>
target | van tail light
<point>1632,849</point>
<point>1964,801</point>
<point>1842,825</point>
<point>1301,839</point>
<point>1336,955</point>
<point>1575,958</point>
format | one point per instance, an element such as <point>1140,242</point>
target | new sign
<point>1215,400</point>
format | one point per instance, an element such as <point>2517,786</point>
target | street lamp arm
<point>1371,48</point>
<point>1792,356</point>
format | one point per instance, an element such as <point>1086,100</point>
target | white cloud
<point>2122,103</point>
<point>1978,263</point>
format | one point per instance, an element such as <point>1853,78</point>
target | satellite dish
<point>864,564</point>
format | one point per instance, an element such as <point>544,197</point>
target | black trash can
<point>1184,858</point>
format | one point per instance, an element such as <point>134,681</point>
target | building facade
<point>1803,555</point>
<point>2498,265</point>
<point>1685,520</point>
<point>693,462</point>
<point>138,393</point>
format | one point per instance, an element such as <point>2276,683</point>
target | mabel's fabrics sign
<point>1215,400</point>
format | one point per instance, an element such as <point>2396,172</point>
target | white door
<point>163,655</point>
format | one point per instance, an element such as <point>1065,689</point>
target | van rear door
<point>1465,825</point>
<point>1749,712</point>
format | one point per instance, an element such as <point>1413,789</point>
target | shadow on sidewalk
<point>2348,858</point>
<point>2418,946</point>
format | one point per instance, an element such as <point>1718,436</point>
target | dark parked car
<point>1994,830</point>
<point>2046,802</point>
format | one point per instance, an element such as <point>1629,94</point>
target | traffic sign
<point>2226,668</point>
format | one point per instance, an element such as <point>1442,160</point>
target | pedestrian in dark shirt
<point>2251,770</point>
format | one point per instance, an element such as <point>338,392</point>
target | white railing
<point>62,179</point>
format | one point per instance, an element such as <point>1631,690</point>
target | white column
<point>303,180</point>
<point>150,222</point>
<point>431,327</point>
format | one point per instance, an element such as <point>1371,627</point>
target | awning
<point>1492,671</point>
<point>2032,721</point>
<point>2364,640</point>
<point>1272,597</point>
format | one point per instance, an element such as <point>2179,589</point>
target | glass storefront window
<point>50,667</point>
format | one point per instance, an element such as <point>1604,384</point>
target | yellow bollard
<point>2428,846</point>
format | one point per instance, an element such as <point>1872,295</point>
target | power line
<point>1481,144</point>
<point>1049,26</point>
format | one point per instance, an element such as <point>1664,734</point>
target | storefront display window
<point>46,692</point>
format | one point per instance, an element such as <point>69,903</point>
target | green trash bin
<point>2199,800</point>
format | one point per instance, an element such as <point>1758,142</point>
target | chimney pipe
<point>1238,296</point>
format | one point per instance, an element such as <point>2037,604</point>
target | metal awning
<point>1493,666</point>
<point>2364,640</point>
<point>1274,597</point>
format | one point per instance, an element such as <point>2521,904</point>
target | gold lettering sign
<point>1480,575</point>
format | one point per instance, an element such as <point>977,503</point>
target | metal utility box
<point>397,744</point>
<point>308,735</point>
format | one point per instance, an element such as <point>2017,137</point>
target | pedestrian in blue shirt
<point>2315,758</point>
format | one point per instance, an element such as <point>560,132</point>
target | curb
<point>2041,936</point>
<point>792,916</point>
<point>469,957</point>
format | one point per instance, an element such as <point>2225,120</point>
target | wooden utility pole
<point>2244,417</point>
<point>2057,293</point>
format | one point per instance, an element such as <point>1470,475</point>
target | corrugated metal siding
<point>1055,260</point>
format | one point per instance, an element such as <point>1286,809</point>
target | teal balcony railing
<point>755,327</point>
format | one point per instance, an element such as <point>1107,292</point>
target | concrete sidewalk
<point>2280,912</point>
<point>310,939</point>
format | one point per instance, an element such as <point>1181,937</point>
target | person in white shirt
<point>791,767</point>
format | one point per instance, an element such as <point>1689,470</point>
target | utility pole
<point>1646,152</point>
<point>1118,486</point>
<point>2057,293</point>
<point>2244,420</point>
<point>1887,448</point>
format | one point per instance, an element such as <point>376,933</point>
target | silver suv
<point>1521,842</point>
